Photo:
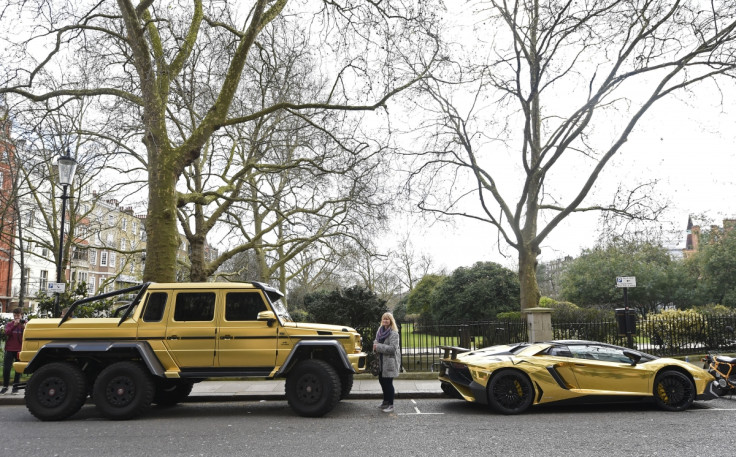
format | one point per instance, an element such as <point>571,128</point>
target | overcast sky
<point>690,151</point>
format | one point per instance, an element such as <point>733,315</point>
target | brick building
<point>7,211</point>
<point>692,241</point>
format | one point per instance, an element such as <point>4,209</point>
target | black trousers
<point>10,357</point>
<point>387,385</point>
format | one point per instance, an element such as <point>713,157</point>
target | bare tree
<point>130,57</point>
<point>42,135</point>
<point>411,266</point>
<point>284,182</point>
<point>548,96</point>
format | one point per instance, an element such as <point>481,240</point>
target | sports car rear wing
<point>452,351</point>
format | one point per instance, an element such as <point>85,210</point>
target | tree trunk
<point>162,235</point>
<point>529,293</point>
<point>198,272</point>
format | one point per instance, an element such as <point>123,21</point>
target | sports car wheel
<point>510,392</point>
<point>673,391</point>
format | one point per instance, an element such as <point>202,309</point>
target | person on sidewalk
<point>14,333</point>
<point>386,346</point>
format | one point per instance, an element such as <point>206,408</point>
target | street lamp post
<point>67,166</point>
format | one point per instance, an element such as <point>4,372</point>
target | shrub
<point>673,329</point>
<point>509,316</point>
<point>715,310</point>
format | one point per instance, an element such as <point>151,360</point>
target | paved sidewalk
<point>256,390</point>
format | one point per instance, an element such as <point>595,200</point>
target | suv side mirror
<point>268,316</point>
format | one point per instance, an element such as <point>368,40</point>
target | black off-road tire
<point>169,392</point>
<point>510,392</point>
<point>313,388</point>
<point>673,391</point>
<point>123,391</point>
<point>56,391</point>
<point>346,384</point>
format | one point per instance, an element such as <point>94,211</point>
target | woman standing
<point>386,346</point>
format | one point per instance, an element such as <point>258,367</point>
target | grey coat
<point>389,363</point>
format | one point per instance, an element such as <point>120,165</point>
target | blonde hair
<point>390,316</point>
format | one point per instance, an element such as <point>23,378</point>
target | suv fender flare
<point>52,351</point>
<point>331,345</point>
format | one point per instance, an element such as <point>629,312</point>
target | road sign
<point>626,281</point>
<point>57,287</point>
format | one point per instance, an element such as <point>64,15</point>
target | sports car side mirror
<point>634,356</point>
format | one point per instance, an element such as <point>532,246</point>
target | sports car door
<point>607,369</point>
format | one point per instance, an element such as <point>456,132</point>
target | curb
<point>16,400</point>
<point>204,398</point>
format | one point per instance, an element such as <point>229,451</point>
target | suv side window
<point>194,306</point>
<point>155,307</point>
<point>243,306</point>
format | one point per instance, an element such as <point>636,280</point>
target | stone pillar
<point>539,324</point>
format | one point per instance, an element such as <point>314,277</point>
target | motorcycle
<point>722,368</point>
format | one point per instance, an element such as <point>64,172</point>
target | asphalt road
<point>426,427</point>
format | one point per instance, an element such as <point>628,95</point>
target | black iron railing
<point>658,334</point>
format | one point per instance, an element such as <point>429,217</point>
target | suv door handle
<point>173,337</point>
<point>226,337</point>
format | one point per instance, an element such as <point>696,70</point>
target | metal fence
<point>420,340</point>
<point>658,334</point>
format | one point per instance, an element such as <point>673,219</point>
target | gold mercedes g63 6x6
<point>173,335</point>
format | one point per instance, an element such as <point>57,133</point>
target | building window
<point>134,228</point>
<point>110,240</point>
<point>27,279</point>
<point>103,258</point>
<point>123,244</point>
<point>44,283</point>
<point>111,220</point>
<point>124,224</point>
<point>79,253</point>
<point>92,284</point>
<point>112,259</point>
<point>101,288</point>
<point>82,231</point>
<point>93,256</point>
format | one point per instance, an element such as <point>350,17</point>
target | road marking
<point>716,409</point>
<point>419,413</point>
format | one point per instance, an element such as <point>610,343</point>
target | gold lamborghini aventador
<point>511,378</point>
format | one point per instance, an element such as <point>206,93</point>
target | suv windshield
<point>280,309</point>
